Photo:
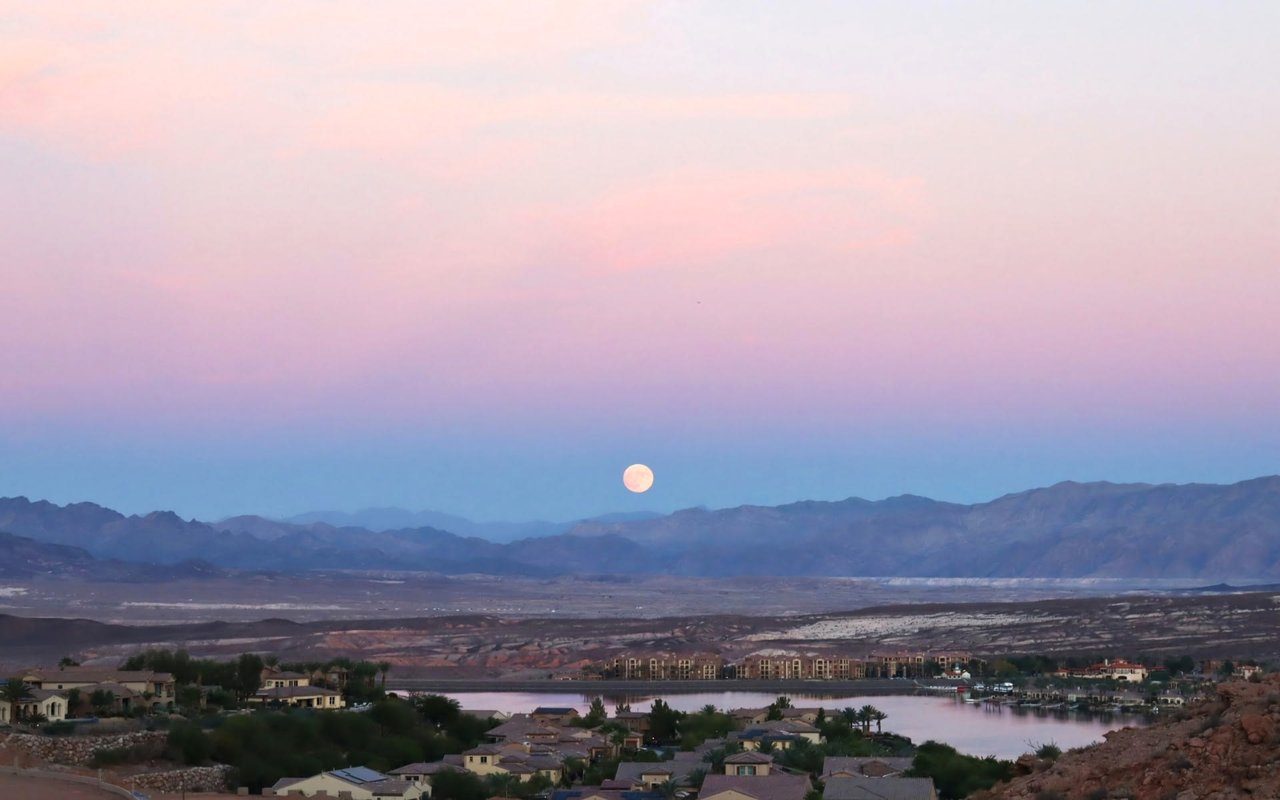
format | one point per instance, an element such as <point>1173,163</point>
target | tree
<point>878,716</point>
<point>15,693</point>
<point>869,714</point>
<point>457,785</point>
<point>775,708</point>
<point>696,778</point>
<point>437,709</point>
<point>957,775</point>
<point>102,700</point>
<point>189,743</point>
<point>1227,669</point>
<point>595,714</point>
<point>73,701</point>
<point>668,789</point>
<point>1182,665</point>
<point>384,667</point>
<point>248,674</point>
<point>573,769</point>
<point>664,721</point>
<point>67,661</point>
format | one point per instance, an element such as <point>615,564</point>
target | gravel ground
<point>15,788</point>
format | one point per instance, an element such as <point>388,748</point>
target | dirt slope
<point>1224,748</point>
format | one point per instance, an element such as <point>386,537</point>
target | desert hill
<point>1222,748</point>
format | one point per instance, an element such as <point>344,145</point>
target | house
<point>48,703</point>
<point>554,715</point>
<point>275,679</point>
<point>156,689</point>
<point>521,727</point>
<point>486,713</point>
<point>748,764</point>
<point>602,793</point>
<point>422,772</point>
<point>809,715</point>
<point>649,776</point>
<point>358,783</point>
<point>774,786</point>
<point>300,696</point>
<point>523,761</point>
<point>749,716</point>
<point>1119,670</point>
<point>863,788</point>
<point>781,733</point>
<point>863,766</point>
<point>634,721</point>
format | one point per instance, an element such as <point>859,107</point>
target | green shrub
<point>1049,751</point>
<point>956,775</point>
<point>58,728</point>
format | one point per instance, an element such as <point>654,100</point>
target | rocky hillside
<point>1221,749</point>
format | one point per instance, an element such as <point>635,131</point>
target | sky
<point>479,257</point>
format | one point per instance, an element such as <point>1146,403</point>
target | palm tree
<point>668,789</point>
<point>867,713</point>
<point>879,716</point>
<point>15,692</point>
<point>384,667</point>
<point>850,715</point>
<point>696,778</point>
<point>709,709</point>
<point>573,769</point>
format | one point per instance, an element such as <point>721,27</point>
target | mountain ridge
<point>1069,530</point>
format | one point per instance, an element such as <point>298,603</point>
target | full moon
<point>638,478</point>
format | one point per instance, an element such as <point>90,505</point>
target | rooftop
<point>879,789</point>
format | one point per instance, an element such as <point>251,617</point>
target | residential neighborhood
<point>554,752</point>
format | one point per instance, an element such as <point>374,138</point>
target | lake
<point>975,728</point>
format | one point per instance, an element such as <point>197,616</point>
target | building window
<point>746,770</point>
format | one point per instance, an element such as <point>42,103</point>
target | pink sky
<point>234,219</point>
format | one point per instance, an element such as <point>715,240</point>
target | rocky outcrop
<point>1221,749</point>
<point>79,750</point>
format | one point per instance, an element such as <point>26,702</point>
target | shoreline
<point>834,688</point>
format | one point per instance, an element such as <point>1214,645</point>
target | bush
<point>189,744</point>
<point>58,728</point>
<point>1049,751</point>
<point>957,775</point>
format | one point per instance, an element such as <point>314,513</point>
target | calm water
<point>975,728</point>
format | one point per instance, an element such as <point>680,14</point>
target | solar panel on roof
<point>360,774</point>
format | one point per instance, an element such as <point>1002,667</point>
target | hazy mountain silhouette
<point>1066,530</point>
<point>23,557</point>
<point>390,519</point>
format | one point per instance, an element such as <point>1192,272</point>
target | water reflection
<point>976,728</point>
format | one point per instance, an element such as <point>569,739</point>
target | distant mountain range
<point>1066,530</point>
<point>394,519</point>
